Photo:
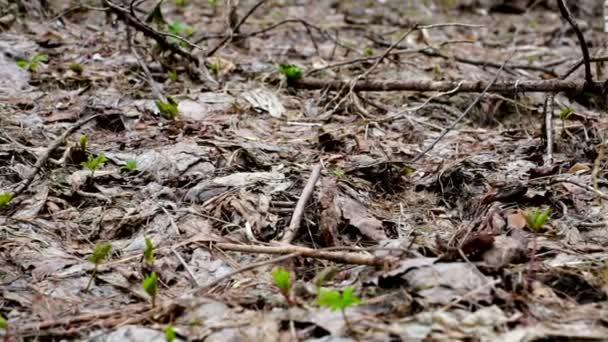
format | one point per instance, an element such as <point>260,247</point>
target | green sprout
<point>83,142</point>
<point>93,163</point>
<point>215,69</point>
<point>5,199</point>
<point>149,285</point>
<point>149,252</point>
<point>172,75</point>
<point>537,218</point>
<point>169,108</point>
<point>369,52</point>
<point>336,300</point>
<point>180,2</point>
<point>291,72</point>
<point>282,280</point>
<point>130,165</point>
<point>100,252</point>
<point>33,62</point>
<point>212,3</point>
<point>179,28</point>
<point>77,68</point>
<point>565,113</point>
<point>169,333</point>
<point>3,324</point>
<point>339,173</point>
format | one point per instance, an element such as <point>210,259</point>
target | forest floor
<point>336,188</point>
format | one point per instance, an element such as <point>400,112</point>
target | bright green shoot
<point>3,324</point>
<point>179,28</point>
<point>149,285</point>
<point>93,163</point>
<point>565,113</point>
<point>336,300</point>
<point>130,165</point>
<point>169,108</point>
<point>33,62</point>
<point>180,2</point>
<point>339,173</point>
<point>282,279</point>
<point>5,199</point>
<point>172,75</point>
<point>83,142</point>
<point>100,252</point>
<point>537,218</point>
<point>291,72</point>
<point>149,252</point>
<point>169,333</point>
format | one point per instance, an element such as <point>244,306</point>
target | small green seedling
<point>180,2</point>
<point>169,333</point>
<point>100,252</point>
<point>172,75</point>
<point>149,252</point>
<point>282,280</point>
<point>212,3</point>
<point>3,324</point>
<point>369,52</point>
<point>77,68</point>
<point>33,62</point>
<point>291,72</point>
<point>83,142</point>
<point>180,29</point>
<point>339,173</point>
<point>537,218</point>
<point>565,113</point>
<point>336,300</point>
<point>5,199</point>
<point>169,108</point>
<point>149,285</point>
<point>130,165</point>
<point>215,69</point>
<point>94,162</point>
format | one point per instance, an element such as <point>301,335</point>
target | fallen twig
<point>44,157</point>
<point>296,219</point>
<point>565,12</point>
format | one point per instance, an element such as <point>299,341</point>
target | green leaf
<point>93,163</point>
<point>172,75</point>
<point>339,173</point>
<point>180,2</point>
<point>149,252</point>
<point>83,142</point>
<point>179,28</point>
<point>282,279</point>
<point>100,252</point>
<point>3,323</point>
<point>22,63</point>
<point>169,108</point>
<point>130,165</point>
<point>291,72</point>
<point>565,113</point>
<point>5,199</point>
<point>169,333</point>
<point>336,300</point>
<point>537,219</point>
<point>149,284</point>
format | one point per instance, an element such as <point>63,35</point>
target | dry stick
<point>549,128</point>
<point>186,267</point>
<point>465,87</point>
<point>340,257</point>
<point>228,38</point>
<point>241,270</point>
<point>47,153</point>
<point>124,14</point>
<point>296,219</point>
<point>466,111</point>
<point>155,89</point>
<point>565,12</point>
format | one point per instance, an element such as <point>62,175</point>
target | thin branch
<point>565,12</point>
<point>296,219</point>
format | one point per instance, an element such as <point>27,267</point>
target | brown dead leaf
<point>359,217</point>
<point>516,220</point>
